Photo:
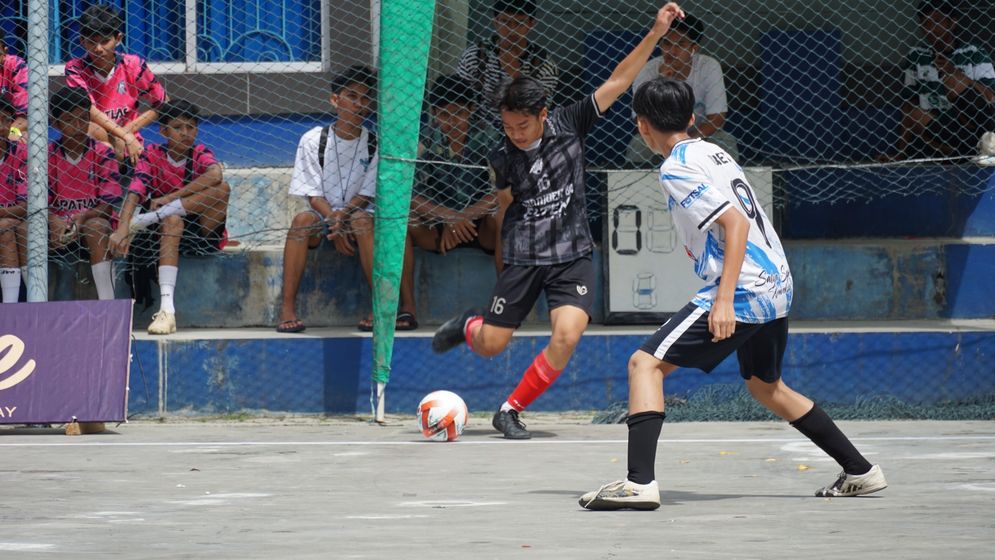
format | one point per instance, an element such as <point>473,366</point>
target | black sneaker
<point>450,334</point>
<point>507,422</point>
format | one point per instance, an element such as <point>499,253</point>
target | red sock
<point>536,380</point>
<point>468,329</point>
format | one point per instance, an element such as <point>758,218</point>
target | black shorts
<point>199,241</point>
<point>73,252</point>
<point>518,287</point>
<point>685,341</point>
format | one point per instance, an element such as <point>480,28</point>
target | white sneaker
<point>855,485</point>
<point>622,494</point>
<point>163,323</point>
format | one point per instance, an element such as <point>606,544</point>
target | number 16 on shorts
<point>497,305</point>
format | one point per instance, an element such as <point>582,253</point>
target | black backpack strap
<point>322,144</point>
<point>371,144</point>
<point>188,170</point>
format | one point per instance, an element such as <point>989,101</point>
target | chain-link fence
<point>876,89</point>
<point>258,124</point>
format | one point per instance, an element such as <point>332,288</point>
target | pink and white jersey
<point>81,184</point>
<point>118,93</point>
<point>13,174</point>
<point>161,174</point>
<point>14,83</point>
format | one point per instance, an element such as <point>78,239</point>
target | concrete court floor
<point>342,488</point>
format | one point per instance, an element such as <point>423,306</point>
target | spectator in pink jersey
<point>14,87</point>
<point>116,83</point>
<point>185,197</point>
<point>82,186</point>
<point>13,206</point>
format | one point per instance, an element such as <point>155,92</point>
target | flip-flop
<point>365,325</point>
<point>405,321</point>
<point>291,326</point>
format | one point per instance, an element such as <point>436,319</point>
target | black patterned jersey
<point>547,221</point>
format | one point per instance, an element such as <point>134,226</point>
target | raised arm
<point>629,68</point>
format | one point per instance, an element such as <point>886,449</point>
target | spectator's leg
<point>56,230</point>
<point>96,234</point>
<point>305,232</point>
<point>425,237</point>
<point>361,225</point>
<point>211,204</point>
<point>22,242</point>
<point>8,242</point>
<point>407,295</point>
<point>10,272</point>
<point>170,234</point>
<point>487,234</point>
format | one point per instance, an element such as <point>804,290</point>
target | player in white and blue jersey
<point>743,307</point>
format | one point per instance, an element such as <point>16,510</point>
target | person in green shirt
<point>949,90</point>
<point>453,203</point>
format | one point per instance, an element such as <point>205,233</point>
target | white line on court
<point>465,442</point>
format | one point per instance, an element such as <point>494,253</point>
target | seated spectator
<point>181,196</point>
<point>335,169</point>
<point>82,186</point>
<point>14,87</point>
<point>454,206</point>
<point>682,60</point>
<point>114,116</point>
<point>13,206</point>
<point>950,90</point>
<point>488,64</point>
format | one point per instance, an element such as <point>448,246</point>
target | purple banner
<point>64,360</point>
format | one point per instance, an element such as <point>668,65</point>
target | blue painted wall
<point>331,375</point>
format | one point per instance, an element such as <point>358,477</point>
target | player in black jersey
<point>546,242</point>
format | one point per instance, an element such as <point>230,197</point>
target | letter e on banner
<point>11,350</point>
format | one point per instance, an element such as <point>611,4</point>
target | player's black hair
<point>524,94</point>
<point>690,26</point>
<point>515,7</point>
<point>178,109</point>
<point>68,99</point>
<point>354,75</point>
<point>450,89</point>
<point>667,104</point>
<point>945,7</point>
<point>100,20</point>
<point>7,107</point>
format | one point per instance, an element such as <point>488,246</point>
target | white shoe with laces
<point>163,323</point>
<point>622,494</point>
<point>855,485</point>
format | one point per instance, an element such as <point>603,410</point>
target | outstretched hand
<point>665,17</point>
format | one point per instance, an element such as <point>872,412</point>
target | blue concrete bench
<point>854,280</point>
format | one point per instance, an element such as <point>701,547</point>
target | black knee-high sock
<point>644,430</point>
<point>817,426</point>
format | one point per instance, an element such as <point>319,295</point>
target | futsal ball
<point>442,415</point>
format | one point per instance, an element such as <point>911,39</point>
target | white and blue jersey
<point>701,182</point>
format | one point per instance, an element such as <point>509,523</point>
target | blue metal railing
<point>228,30</point>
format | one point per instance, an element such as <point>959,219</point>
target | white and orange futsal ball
<point>442,415</point>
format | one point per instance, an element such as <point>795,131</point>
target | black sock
<point>644,430</point>
<point>817,426</point>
